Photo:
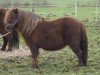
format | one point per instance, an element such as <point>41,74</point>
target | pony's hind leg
<point>79,53</point>
<point>4,44</point>
<point>84,53</point>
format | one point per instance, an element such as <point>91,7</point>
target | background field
<point>54,1</point>
<point>60,62</point>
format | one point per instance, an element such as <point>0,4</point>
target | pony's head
<point>23,21</point>
<point>11,19</point>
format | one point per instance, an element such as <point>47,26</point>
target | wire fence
<point>81,10</point>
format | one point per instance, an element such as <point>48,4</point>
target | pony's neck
<point>27,22</point>
<point>20,21</point>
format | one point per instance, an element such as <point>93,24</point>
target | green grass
<point>65,2</point>
<point>83,13</point>
<point>56,2</point>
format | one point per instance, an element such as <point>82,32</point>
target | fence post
<point>75,13</point>
<point>96,12</point>
<point>12,3</point>
<point>32,6</point>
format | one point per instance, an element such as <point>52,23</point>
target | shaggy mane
<point>27,21</point>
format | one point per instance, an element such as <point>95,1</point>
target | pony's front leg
<point>34,53</point>
<point>4,44</point>
<point>34,62</point>
<point>10,44</point>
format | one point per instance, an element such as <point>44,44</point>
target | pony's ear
<point>15,10</point>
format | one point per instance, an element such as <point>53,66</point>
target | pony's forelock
<point>6,16</point>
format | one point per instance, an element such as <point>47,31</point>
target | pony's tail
<point>15,37</point>
<point>84,45</point>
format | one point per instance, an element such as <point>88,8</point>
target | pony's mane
<point>28,21</point>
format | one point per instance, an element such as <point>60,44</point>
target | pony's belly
<point>52,45</point>
<point>53,48</point>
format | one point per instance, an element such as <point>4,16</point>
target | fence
<point>76,9</point>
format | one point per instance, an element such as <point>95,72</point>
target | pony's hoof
<point>2,49</point>
<point>82,65</point>
<point>9,49</point>
<point>35,66</point>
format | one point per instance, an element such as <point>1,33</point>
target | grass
<point>65,2</point>
<point>55,1</point>
<point>83,13</point>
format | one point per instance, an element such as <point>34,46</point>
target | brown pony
<point>7,39</point>
<point>49,35</point>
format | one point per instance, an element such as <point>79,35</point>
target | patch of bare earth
<point>22,51</point>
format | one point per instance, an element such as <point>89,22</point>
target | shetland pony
<point>49,35</point>
<point>8,40</point>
